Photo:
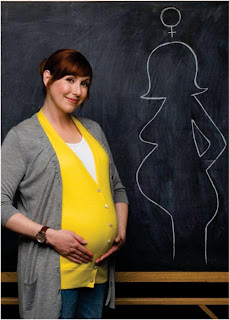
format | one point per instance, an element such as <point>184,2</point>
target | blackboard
<point>171,153</point>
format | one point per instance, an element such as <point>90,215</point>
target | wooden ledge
<point>152,276</point>
<point>9,301</point>
<point>172,301</point>
<point>150,301</point>
<point>8,276</point>
<point>172,276</point>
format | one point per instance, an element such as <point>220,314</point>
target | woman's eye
<point>85,84</point>
<point>70,80</point>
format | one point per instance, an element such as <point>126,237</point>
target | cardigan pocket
<point>30,293</point>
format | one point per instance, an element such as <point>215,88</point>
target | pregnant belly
<point>97,227</point>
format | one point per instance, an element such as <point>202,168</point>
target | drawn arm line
<point>209,177</point>
<point>224,140</point>
<point>194,138</point>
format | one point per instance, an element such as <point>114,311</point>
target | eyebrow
<point>71,75</point>
<point>88,80</point>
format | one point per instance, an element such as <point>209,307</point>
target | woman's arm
<point>13,169</point>
<point>122,215</point>
<point>22,225</point>
<point>65,242</point>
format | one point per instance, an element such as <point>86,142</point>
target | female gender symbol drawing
<point>187,144</point>
<point>171,26</point>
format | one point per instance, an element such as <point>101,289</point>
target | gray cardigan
<point>30,165</point>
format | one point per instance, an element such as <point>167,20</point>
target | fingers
<point>118,243</point>
<point>74,259</point>
<point>79,238</point>
<point>78,258</point>
<point>75,255</point>
<point>112,250</point>
<point>80,241</point>
<point>117,239</point>
<point>83,253</point>
<point>71,246</point>
<point>120,239</point>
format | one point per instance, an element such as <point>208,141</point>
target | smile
<point>72,100</point>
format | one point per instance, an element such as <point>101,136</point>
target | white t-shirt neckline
<point>83,151</point>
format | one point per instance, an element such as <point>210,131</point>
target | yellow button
<point>99,190</point>
<point>95,268</point>
<point>109,241</point>
<point>106,206</point>
<point>91,280</point>
<point>110,225</point>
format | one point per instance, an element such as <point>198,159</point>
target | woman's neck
<point>62,123</point>
<point>56,116</point>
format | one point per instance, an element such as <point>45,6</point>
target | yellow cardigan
<point>87,206</point>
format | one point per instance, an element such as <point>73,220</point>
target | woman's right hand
<point>69,245</point>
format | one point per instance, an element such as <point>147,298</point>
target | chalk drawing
<point>147,96</point>
<point>139,168</point>
<point>171,26</point>
<point>209,177</point>
<point>194,138</point>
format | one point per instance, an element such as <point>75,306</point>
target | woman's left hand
<point>122,215</point>
<point>118,243</point>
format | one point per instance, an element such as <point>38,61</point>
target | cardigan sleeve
<point>12,172</point>
<point>119,190</point>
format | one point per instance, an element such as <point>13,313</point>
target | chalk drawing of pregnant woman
<point>185,144</point>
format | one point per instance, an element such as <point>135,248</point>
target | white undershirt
<point>83,151</point>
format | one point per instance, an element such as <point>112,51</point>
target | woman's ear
<point>46,77</point>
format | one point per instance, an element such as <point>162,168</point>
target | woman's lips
<point>72,100</point>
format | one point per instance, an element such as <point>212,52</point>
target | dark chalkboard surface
<point>160,93</point>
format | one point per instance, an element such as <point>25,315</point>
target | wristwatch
<point>41,236</point>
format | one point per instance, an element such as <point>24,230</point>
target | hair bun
<point>42,66</point>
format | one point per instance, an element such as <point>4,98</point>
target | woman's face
<point>67,93</point>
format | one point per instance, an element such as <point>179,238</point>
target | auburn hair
<point>65,62</point>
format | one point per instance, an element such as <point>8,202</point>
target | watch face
<point>40,237</point>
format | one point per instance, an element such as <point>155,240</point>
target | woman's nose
<point>77,88</point>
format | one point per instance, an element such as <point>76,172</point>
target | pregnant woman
<point>71,212</point>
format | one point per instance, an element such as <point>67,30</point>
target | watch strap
<point>44,229</point>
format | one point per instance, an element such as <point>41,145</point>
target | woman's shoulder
<point>90,124</point>
<point>88,121</point>
<point>26,128</point>
<point>27,123</point>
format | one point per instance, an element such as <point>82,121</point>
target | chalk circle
<point>171,25</point>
